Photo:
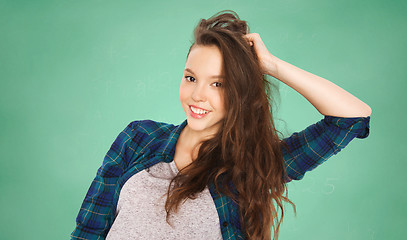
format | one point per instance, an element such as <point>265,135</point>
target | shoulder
<point>148,136</point>
<point>151,128</point>
<point>150,133</point>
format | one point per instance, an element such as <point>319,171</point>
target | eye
<point>217,84</point>
<point>190,79</point>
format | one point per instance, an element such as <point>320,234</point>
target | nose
<point>199,93</point>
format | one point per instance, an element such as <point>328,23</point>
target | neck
<point>192,139</point>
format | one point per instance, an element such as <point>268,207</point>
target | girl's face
<point>201,91</point>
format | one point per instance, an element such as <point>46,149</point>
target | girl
<point>222,173</point>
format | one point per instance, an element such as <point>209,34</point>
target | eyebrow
<point>215,76</point>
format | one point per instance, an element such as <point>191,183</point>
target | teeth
<point>198,111</point>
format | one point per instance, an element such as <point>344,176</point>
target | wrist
<point>272,66</point>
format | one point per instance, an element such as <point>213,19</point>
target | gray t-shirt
<point>141,214</point>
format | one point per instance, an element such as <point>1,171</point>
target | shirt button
<point>225,224</point>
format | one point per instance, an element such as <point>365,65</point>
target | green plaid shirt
<point>145,143</point>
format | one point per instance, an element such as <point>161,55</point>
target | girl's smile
<point>198,112</point>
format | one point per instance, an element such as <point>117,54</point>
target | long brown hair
<point>247,149</point>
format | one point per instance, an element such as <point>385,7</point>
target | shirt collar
<point>168,146</point>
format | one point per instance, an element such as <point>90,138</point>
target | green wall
<point>75,73</point>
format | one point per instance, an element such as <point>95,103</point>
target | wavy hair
<point>247,149</point>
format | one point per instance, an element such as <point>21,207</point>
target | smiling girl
<point>221,173</point>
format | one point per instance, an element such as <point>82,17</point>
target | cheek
<point>217,101</point>
<point>183,92</point>
<point>222,104</point>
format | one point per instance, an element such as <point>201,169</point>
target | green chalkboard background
<point>75,73</point>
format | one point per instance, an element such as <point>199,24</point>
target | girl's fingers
<point>251,38</point>
<point>248,39</point>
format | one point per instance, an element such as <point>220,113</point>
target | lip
<point>195,115</point>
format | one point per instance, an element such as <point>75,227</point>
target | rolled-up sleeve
<point>305,150</point>
<point>95,215</point>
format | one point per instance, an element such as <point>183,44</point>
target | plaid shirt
<point>145,143</point>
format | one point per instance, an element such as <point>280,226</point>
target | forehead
<point>205,60</point>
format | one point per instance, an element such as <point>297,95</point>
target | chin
<point>200,125</point>
<point>195,125</point>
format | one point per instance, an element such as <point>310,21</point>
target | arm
<point>346,117</point>
<point>325,96</point>
<point>303,151</point>
<point>96,215</point>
